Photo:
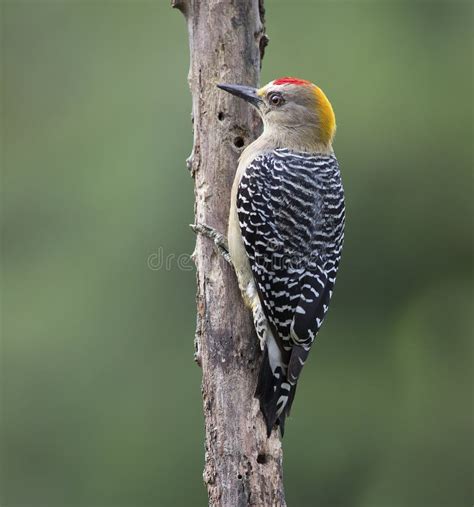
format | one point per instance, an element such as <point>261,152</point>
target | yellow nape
<point>326,115</point>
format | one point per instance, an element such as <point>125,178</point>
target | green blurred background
<point>100,396</point>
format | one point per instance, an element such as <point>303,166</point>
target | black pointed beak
<point>244,92</point>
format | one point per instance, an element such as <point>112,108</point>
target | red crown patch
<point>291,80</point>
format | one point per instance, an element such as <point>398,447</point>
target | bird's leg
<point>220,241</point>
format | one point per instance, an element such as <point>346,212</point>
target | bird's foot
<point>220,241</point>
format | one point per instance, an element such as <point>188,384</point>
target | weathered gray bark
<point>242,466</point>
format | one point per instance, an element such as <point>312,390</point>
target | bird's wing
<point>291,215</point>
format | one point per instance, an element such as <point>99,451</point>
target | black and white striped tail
<point>275,395</point>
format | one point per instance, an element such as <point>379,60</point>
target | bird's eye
<point>275,99</point>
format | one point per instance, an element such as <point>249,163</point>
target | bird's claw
<point>220,241</point>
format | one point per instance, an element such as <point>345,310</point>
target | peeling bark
<point>242,466</point>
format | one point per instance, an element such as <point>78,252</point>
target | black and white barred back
<point>291,213</point>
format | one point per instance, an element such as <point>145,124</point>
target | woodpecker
<point>286,231</point>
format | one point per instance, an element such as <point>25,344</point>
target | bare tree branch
<point>242,467</point>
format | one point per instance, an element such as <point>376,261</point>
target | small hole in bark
<point>262,459</point>
<point>239,142</point>
<point>220,116</point>
<point>239,476</point>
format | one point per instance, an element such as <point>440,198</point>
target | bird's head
<point>289,105</point>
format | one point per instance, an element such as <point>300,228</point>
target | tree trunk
<point>242,466</point>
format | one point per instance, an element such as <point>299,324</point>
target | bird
<point>286,231</point>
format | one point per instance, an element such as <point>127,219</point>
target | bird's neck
<point>301,138</point>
